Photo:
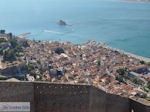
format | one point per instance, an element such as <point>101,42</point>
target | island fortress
<point>53,97</point>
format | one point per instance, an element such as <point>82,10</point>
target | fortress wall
<point>17,92</point>
<point>100,101</point>
<point>138,107</point>
<point>48,97</point>
<point>97,100</point>
<point>61,98</point>
<point>115,103</point>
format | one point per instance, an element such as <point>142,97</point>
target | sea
<point>119,24</point>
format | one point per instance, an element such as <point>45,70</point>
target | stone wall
<point>61,98</point>
<point>17,92</point>
<point>138,107</point>
<point>100,101</point>
<point>48,97</point>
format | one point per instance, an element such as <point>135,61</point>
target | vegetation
<point>1,51</point>
<point>117,52</point>
<point>148,98</point>
<point>148,85</point>
<point>142,62</point>
<point>148,63</point>
<point>59,50</point>
<point>119,78</point>
<point>98,63</point>
<point>3,40</point>
<point>13,42</point>
<point>137,81</point>
<point>14,50</point>
<point>25,44</point>
<point>38,62</point>
<point>30,67</point>
<point>122,71</point>
<point>2,78</point>
<point>123,75</point>
<point>9,55</point>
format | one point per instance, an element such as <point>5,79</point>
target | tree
<point>13,42</point>
<point>3,40</point>
<point>30,67</point>
<point>9,55</point>
<point>148,85</point>
<point>137,81</point>
<point>1,51</point>
<point>59,50</point>
<point>119,78</point>
<point>142,62</point>
<point>98,63</point>
<point>25,44</point>
<point>122,71</point>
<point>148,63</point>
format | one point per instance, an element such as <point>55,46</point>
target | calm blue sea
<point>123,25</point>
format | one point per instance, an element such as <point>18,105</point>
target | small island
<point>61,22</point>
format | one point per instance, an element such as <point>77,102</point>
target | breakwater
<point>50,97</point>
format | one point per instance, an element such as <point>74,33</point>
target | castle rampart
<point>50,97</point>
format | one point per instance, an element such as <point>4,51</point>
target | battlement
<point>54,97</point>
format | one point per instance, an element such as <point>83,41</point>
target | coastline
<point>98,44</point>
<point>129,54</point>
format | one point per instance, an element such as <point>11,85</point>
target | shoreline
<point>129,54</point>
<point>92,42</point>
<point>102,44</point>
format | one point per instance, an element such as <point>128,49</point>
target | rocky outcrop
<point>61,22</point>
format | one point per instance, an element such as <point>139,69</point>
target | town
<point>90,63</point>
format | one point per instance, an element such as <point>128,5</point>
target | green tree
<point>122,71</point>
<point>3,40</point>
<point>148,85</point>
<point>148,63</point>
<point>30,67</point>
<point>13,42</point>
<point>1,51</point>
<point>98,63</point>
<point>119,78</point>
<point>9,55</point>
<point>25,44</point>
<point>142,62</point>
<point>59,50</point>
